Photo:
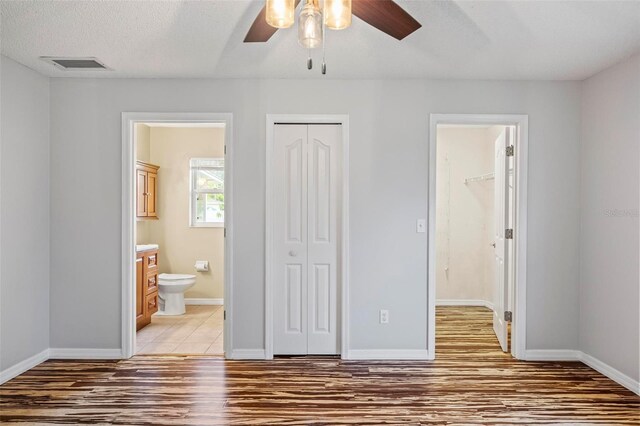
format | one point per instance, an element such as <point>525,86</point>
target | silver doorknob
<point>293,253</point>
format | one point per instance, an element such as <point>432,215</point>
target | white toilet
<point>171,288</point>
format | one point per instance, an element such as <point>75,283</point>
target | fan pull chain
<point>309,61</point>
<point>324,38</point>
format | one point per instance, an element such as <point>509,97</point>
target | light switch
<point>421,225</point>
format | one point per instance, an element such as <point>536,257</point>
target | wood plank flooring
<point>471,381</point>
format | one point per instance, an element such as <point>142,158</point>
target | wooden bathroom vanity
<point>146,285</point>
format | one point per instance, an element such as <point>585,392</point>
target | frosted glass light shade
<point>310,26</point>
<point>280,13</point>
<point>337,14</point>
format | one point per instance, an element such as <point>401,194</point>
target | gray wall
<point>610,157</point>
<point>389,129</point>
<point>24,213</point>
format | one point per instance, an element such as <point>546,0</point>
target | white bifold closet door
<point>306,179</point>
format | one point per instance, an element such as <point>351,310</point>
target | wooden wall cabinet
<point>146,287</point>
<point>146,190</point>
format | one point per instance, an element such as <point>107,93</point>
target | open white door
<point>501,212</point>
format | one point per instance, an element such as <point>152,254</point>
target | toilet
<point>171,288</point>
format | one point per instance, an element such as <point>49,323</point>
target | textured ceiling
<point>459,39</point>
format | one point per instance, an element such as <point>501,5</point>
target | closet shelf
<point>480,178</point>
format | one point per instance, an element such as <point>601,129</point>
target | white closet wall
<point>464,215</point>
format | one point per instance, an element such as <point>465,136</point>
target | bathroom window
<point>207,192</point>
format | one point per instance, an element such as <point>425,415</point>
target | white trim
<point>464,302</point>
<point>520,227</point>
<point>615,375</point>
<point>17,369</point>
<point>590,361</point>
<point>388,354</point>
<point>84,353</point>
<point>128,216</point>
<point>203,301</point>
<point>551,355</point>
<point>247,354</point>
<point>271,121</point>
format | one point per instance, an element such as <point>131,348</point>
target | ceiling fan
<point>385,15</point>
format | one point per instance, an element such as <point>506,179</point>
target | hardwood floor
<point>471,381</point>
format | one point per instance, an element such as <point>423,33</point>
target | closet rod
<point>480,178</point>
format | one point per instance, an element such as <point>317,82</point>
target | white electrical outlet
<point>384,316</point>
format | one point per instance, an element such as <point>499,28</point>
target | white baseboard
<point>615,375</point>
<point>203,301</point>
<point>574,355</point>
<point>247,354</point>
<point>464,302</point>
<point>388,354</point>
<point>19,368</point>
<point>84,353</point>
<point>551,355</point>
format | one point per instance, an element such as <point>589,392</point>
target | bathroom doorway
<point>178,216</point>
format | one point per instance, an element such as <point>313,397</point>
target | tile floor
<point>198,332</point>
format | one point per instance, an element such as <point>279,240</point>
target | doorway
<point>177,234</point>
<point>306,252</point>
<point>477,228</point>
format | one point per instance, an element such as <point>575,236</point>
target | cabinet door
<point>140,294</point>
<point>152,304</point>
<point>151,261</point>
<point>152,186</point>
<point>141,193</point>
<point>152,283</point>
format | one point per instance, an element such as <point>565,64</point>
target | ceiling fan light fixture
<point>280,13</point>
<point>337,14</point>
<point>310,25</point>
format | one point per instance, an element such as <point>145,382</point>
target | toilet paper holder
<point>202,265</point>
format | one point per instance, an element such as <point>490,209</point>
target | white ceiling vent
<point>75,64</point>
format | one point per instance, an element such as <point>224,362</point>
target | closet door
<point>306,181</point>
<point>289,269</point>
<point>323,180</point>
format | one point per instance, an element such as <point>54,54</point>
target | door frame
<point>128,317</point>
<point>343,243</point>
<point>521,122</point>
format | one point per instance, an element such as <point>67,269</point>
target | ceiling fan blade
<point>260,31</point>
<point>386,16</point>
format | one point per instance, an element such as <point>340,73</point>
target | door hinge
<point>225,149</point>
<point>224,315</point>
<point>509,151</point>
<point>508,234</point>
<point>508,316</point>
<point>225,232</point>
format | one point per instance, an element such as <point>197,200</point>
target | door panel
<point>500,224</point>
<point>305,224</point>
<point>324,148</point>
<point>294,302</point>
<point>321,302</point>
<point>295,191</point>
<point>152,191</point>
<point>139,292</point>
<point>290,240</point>
<point>141,193</point>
